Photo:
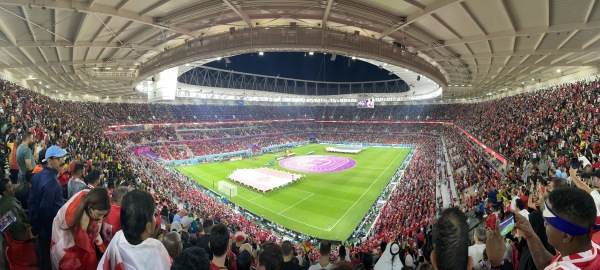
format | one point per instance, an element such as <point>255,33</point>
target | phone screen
<point>507,225</point>
<point>163,223</point>
<point>6,220</point>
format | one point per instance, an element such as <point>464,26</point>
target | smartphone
<point>507,225</point>
<point>574,163</point>
<point>6,220</point>
<point>163,223</point>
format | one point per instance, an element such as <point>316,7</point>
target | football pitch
<point>322,205</point>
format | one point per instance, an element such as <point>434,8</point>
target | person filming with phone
<point>569,216</point>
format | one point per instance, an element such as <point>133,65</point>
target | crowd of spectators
<point>232,144</point>
<point>535,131</point>
<point>411,206</point>
<point>498,123</point>
<point>172,151</point>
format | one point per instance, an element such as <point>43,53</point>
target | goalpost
<point>228,188</point>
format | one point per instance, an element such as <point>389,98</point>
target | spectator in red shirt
<point>596,149</point>
<point>76,160</point>
<point>63,179</point>
<point>112,222</point>
<point>523,194</point>
<point>490,221</point>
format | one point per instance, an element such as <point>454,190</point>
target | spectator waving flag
<point>307,246</point>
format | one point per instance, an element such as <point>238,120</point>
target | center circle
<point>317,163</point>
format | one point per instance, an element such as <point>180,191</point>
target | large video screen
<point>366,103</point>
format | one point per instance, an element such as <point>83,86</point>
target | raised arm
<point>577,181</point>
<point>541,256</point>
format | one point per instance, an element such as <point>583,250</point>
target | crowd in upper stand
<point>171,152</point>
<point>538,132</point>
<point>549,117</point>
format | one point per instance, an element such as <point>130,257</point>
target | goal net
<point>228,188</point>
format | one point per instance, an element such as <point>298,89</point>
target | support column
<point>164,87</point>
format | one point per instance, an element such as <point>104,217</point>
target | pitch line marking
<point>300,190</point>
<point>255,198</point>
<point>325,230</point>
<point>211,173</point>
<point>200,176</point>
<point>366,190</point>
<point>296,203</point>
<point>293,219</point>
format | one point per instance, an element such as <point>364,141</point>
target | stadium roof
<point>480,46</point>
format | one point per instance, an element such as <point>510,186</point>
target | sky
<point>317,67</point>
<point>303,66</point>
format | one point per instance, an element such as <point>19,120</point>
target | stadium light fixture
<point>311,53</point>
<point>187,65</point>
<point>261,53</point>
<point>558,71</point>
<point>107,68</point>
<point>353,57</point>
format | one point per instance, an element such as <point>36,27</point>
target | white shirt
<point>300,259</point>
<point>525,214</point>
<point>319,267</point>
<point>596,197</point>
<point>584,161</point>
<point>476,252</point>
<point>150,254</point>
<point>409,261</point>
<point>513,203</point>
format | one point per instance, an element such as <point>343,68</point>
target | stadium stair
<point>188,150</point>
<point>448,167</point>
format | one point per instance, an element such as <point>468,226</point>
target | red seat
<point>20,254</point>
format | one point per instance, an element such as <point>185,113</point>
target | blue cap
<point>54,151</point>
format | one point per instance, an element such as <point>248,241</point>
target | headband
<point>562,224</point>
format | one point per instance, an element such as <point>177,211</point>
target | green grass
<point>327,205</point>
